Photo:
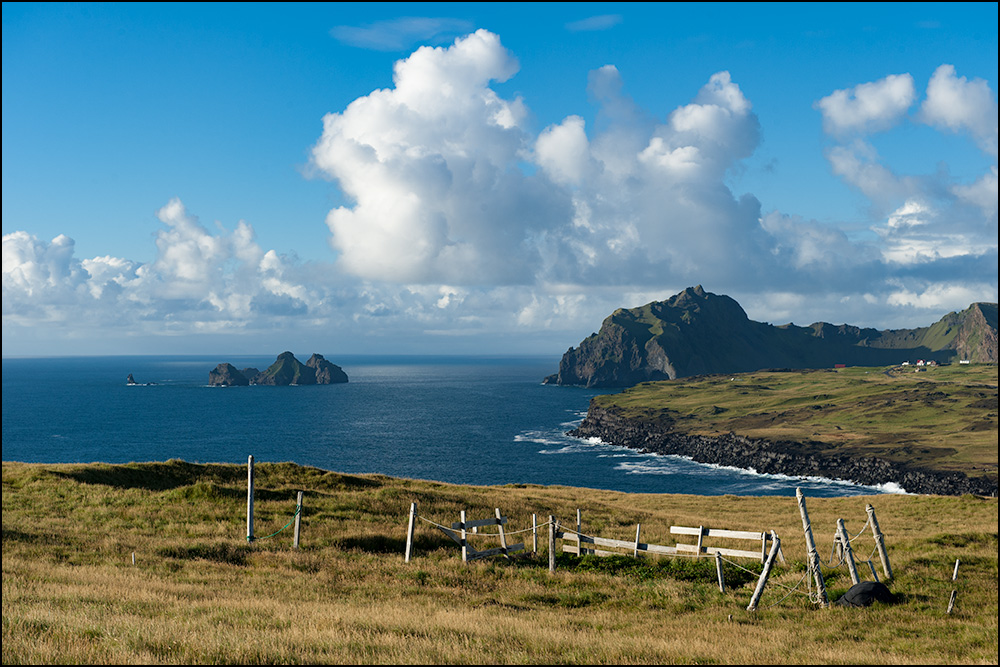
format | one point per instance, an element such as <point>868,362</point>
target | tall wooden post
<point>250,537</point>
<point>845,545</point>
<point>812,556</point>
<point>552,543</point>
<point>579,532</point>
<point>635,553</point>
<point>718,572</point>
<point>879,542</point>
<point>465,543</point>
<point>762,581</point>
<point>409,533</point>
<point>534,533</point>
<point>298,521</point>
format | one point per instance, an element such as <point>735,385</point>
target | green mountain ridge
<point>699,333</point>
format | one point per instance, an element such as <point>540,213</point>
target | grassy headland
<point>198,593</point>
<point>942,418</point>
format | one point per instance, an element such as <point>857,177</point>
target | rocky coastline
<point>784,458</point>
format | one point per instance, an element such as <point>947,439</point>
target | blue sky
<point>485,178</point>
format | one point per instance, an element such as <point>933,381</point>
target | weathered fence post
<point>579,532</point>
<point>812,556</point>
<point>718,572</point>
<point>534,534</point>
<point>411,525</point>
<point>250,498</point>
<point>768,564</point>
<point>298,521</point>
<point>954,591</point>
<point>845,545</point>
<point>635,553</point>
<point>879,542</point>
<point>552,543</point>
<point>503,538</point>
<point>465,544</point>
<point>701,537</point>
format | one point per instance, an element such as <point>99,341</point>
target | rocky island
<point>286,370</point>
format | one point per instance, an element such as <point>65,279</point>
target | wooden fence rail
<point>701,532</point>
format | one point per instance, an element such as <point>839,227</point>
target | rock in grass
<point>865,593</point>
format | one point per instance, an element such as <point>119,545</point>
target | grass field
<point>942,418</point>
<point>198,593</point>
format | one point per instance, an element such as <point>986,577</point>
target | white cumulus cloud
<point>868,106</point>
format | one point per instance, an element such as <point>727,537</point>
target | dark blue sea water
<point>452,419</point>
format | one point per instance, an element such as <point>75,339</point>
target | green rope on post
<point>298,508</point>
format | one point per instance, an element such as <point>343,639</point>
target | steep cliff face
<point>976,339</point>
<point>226,375</point>
<point>326,372</point>
<point>697,332</point>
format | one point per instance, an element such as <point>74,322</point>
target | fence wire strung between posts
<point>461,530</point>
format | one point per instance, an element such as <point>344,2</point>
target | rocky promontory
<point>763,456</point>
<point>696,332</point>
<point>286,370</point>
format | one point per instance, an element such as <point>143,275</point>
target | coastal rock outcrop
<point>226,375</point>
<point>696,333</point>
<point>762,456</point>
<point>326,372</point>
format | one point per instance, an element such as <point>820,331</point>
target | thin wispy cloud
<point>401,33</point>
<point>595,23</point>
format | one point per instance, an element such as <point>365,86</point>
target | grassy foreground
<point>942,418</point>
<point>197,593</point>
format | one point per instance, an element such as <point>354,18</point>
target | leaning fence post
<point>768,564</point>
<point>552,543</point>
<point>879,542</point>
<point>718,572</point>
<point>954,591</point>
<point>409,533</point>
<point>811,554</point>
<point>635,553</point>
<point>845,544</point>
<point>701,537</point>
<point>503,538</point>
<point>298,521</point>
<point>250,498</point>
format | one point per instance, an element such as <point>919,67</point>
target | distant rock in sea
<point>286,370</point>
<point>226,375</point>
<point>326,372</point>
<point>130,379</point>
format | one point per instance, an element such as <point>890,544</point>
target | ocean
<point>463,420</point>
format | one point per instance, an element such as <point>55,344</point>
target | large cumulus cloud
<point>462,218</point>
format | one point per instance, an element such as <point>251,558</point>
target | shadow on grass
<point>380,544</point>
<point>154,476</point>
<point>220,552</point>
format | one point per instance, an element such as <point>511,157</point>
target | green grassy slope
<point>942,418</point>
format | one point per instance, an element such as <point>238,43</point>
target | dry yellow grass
<point>199,594</point>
